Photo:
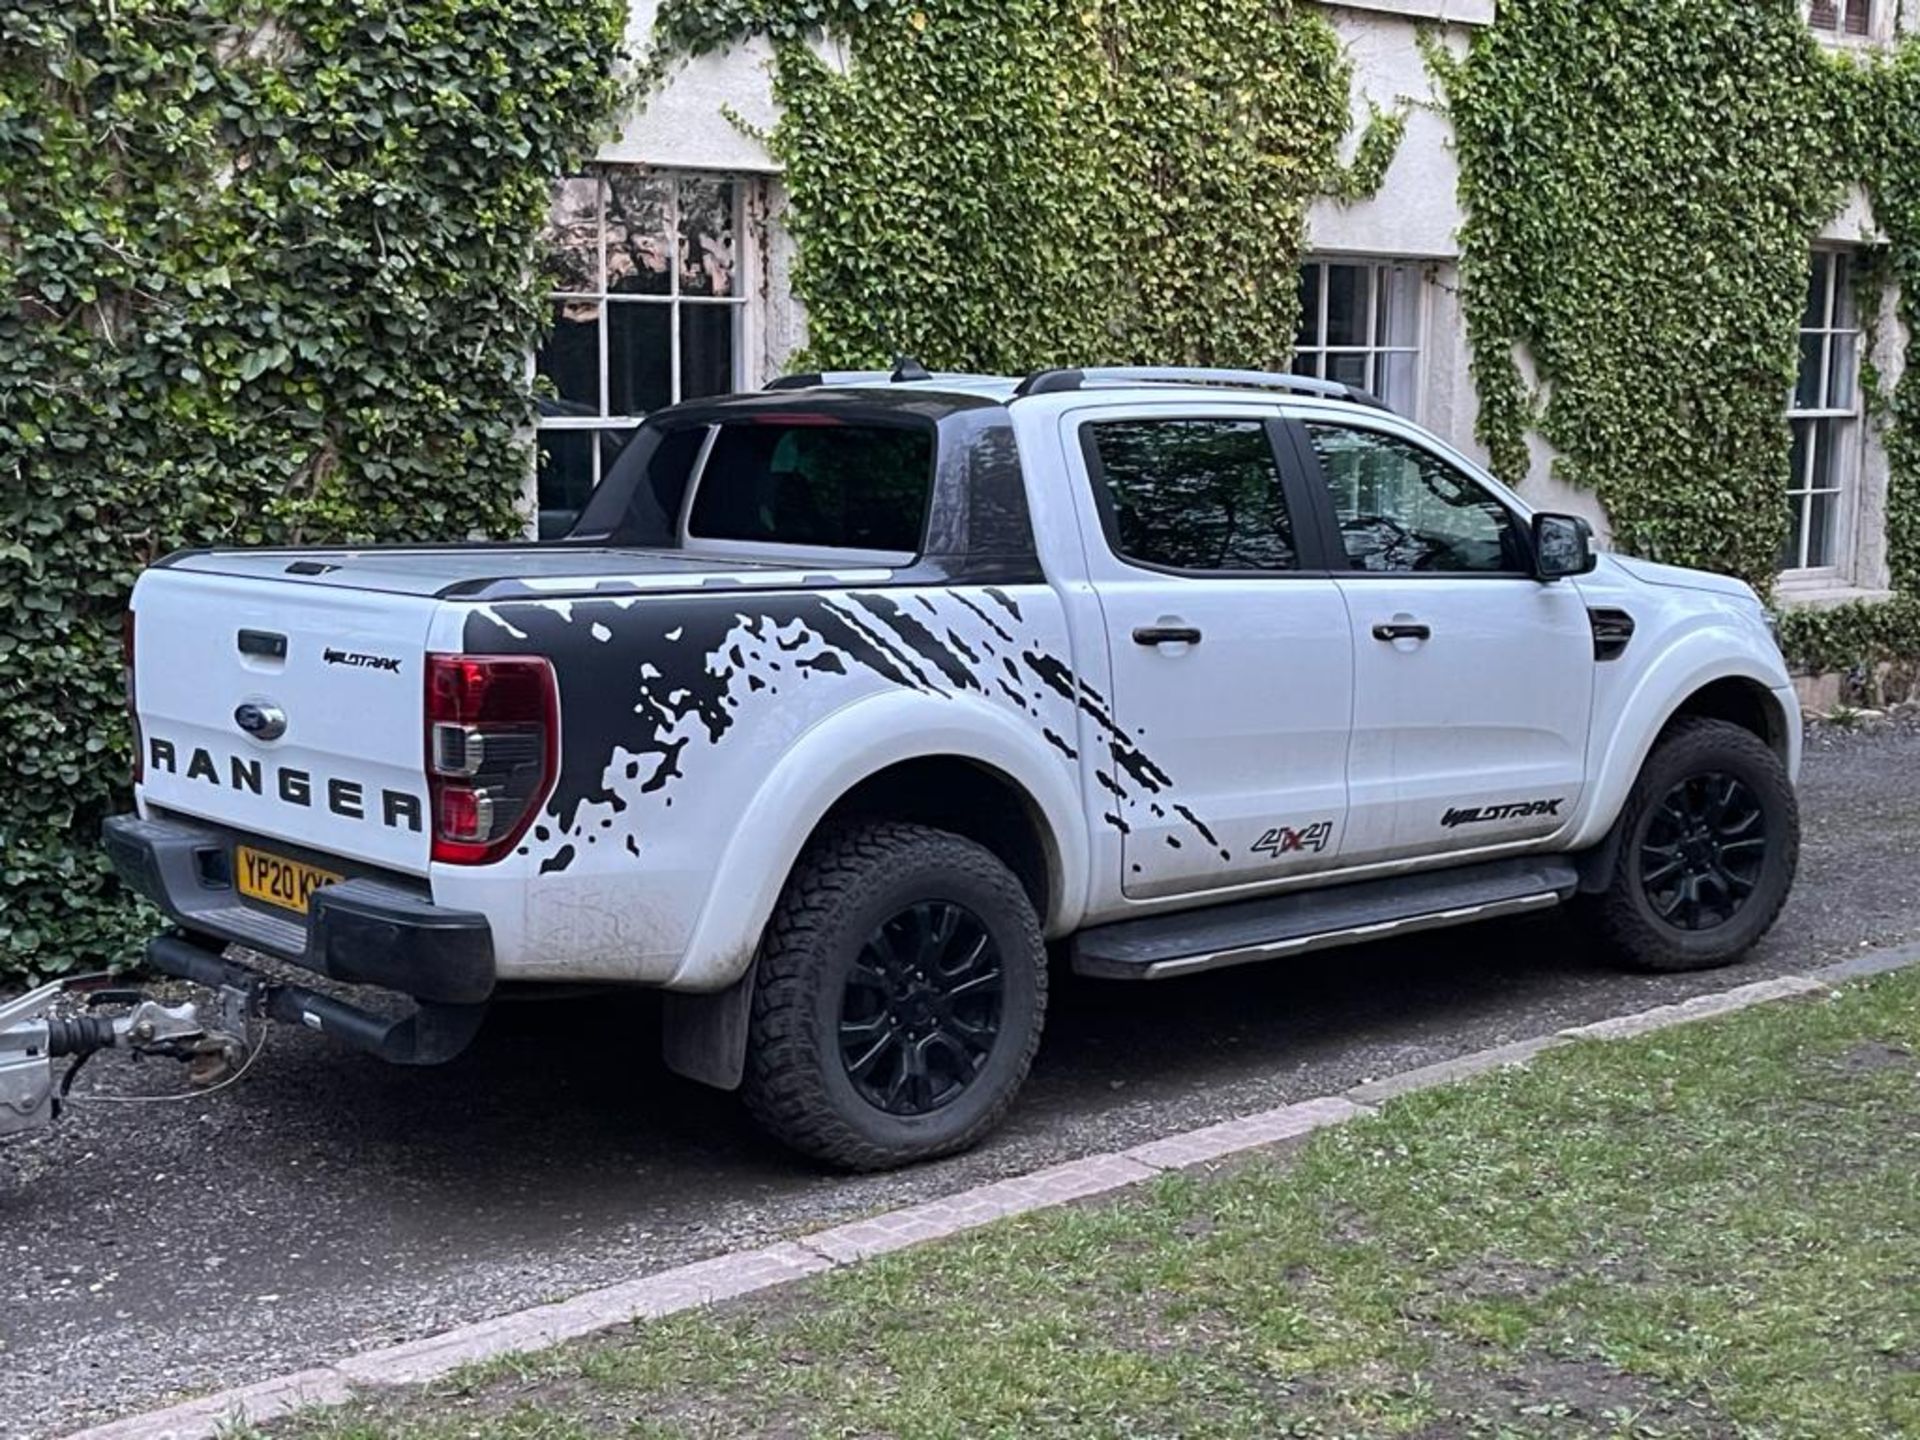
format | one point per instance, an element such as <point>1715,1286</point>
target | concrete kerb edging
<point>745,1272</point>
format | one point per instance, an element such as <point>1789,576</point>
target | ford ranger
<point>847,703</point>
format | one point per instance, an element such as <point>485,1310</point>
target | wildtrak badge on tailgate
<point>348,799</point>
<point>363,662</point>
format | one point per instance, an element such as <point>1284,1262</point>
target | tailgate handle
<point>263,643</point>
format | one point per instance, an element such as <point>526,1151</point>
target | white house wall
<point>709,114</point>
<point>1417,210</point>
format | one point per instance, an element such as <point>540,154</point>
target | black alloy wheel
<point>1704,851</point>
<point>899,996</point>
<point>920,1008</point>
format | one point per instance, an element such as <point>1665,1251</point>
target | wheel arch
<point>967,797</point>
<point>892,757</point>
<point>1695,680</point>
<point>895,756</point>
<point>1739,700</point>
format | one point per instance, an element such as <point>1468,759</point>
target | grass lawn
<point>1713,1231</point>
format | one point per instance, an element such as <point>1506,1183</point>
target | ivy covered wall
<point>1643,181</point>
<point>1006,184</point>
<point>267,268</point>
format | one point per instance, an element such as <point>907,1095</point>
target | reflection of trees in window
<point>649,305</point>
<point>847,487</point>
<point>1402,508</point>
<point>1195,494</point>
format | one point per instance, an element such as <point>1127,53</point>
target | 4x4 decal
<point>1484,814</point>
<point>1285,840</point>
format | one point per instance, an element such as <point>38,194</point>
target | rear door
<point>1473,682</point>
<point>286,710</point>
<point>1230,653</point>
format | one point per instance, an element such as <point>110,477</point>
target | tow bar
<point>33,1037</point>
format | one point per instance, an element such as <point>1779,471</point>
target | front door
<point>1473,682</point>
<point>1231,658</point>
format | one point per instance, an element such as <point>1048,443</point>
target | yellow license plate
<point>286,883</point>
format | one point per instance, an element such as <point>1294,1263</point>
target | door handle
<point>1166,635</point>
<point>1402,630</point>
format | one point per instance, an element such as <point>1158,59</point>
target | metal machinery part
<point>33,1036</point>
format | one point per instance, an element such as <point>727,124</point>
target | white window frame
<point>1839,427</point>
<point>1879,29</point>
<point>1414,272</point>
<point>749,207</point>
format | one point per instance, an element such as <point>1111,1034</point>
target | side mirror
<point>1562,546</point>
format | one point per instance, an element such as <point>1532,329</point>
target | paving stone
<point>1216,1142</point>
<point>704,1283</point>
<point>937,1219</point>
<point>1701,1007</point>
<point>1862,967</point>
<point>1428,1077</point>
<point>206,1418</point>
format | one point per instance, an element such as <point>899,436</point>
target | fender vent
<point>1612,632</point>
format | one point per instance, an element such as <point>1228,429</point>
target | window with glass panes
<point>649,308</point>
<point>1825,414</point>
<point>1842,17</point>
<point>1360,325</point>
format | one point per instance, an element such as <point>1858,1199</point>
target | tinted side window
<point>1193,494</point>
<point>802,482</point>
<point>1403,509</point>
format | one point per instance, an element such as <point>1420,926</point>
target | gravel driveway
<point>327,1203</point>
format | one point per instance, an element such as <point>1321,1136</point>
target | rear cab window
<point>820,486</point>
<point>779,484</point>
<point>1194,496</point>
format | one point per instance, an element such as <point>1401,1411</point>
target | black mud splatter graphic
<point>645,679</point>
<point>1057,677</point>
<point>942,656</point>
<point>1128,758</point>
<point>1205,834</point>
<point>992,624</point>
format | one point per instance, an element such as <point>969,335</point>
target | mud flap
<point>704,1037</point>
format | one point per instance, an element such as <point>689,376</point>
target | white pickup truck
<point>846,702</point>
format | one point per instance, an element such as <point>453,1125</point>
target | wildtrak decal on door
<point>651,685</point>
<point>1486,814</point>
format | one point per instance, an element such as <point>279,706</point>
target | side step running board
<point>1252,930</point>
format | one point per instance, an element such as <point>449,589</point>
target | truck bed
<point>504,570</point>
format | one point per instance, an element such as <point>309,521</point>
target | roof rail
<point>906,371</point>
<point>830,377</point>
<point>1057,382</point>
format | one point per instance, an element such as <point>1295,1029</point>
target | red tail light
<point>492,751</point>
<point>133,703</point>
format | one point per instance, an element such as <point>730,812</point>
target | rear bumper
<point>359,932</point>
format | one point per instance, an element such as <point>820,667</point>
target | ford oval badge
<point>262,722</point>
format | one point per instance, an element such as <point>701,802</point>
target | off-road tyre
<point>848,885</point>
<point>1628,920</point>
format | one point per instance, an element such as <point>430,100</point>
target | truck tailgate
<point>342,669</point>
